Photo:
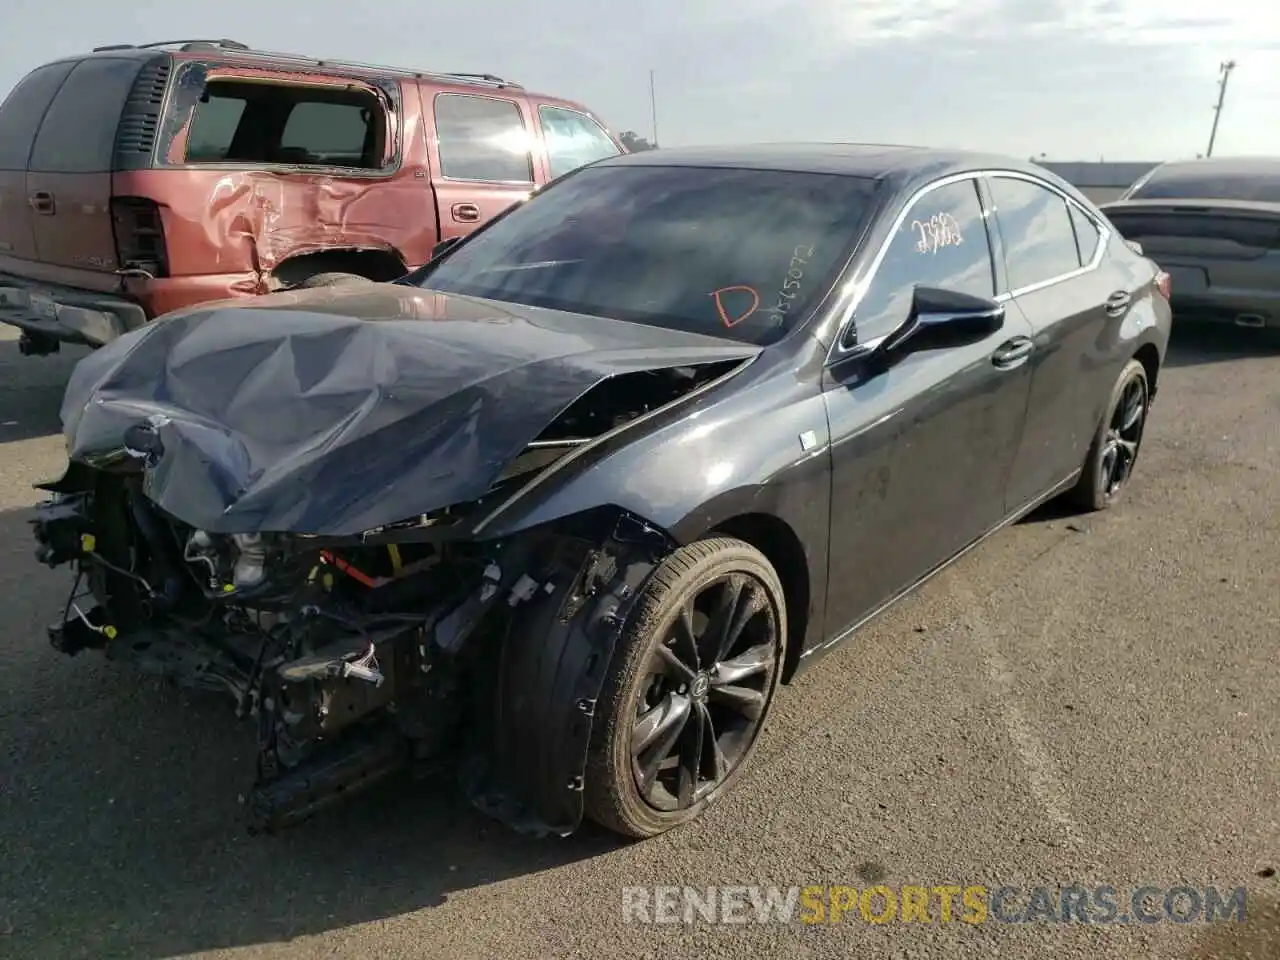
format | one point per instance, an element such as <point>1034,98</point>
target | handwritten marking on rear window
<point>791,283</point>
<point>940,230</point>
<point>742,291</point>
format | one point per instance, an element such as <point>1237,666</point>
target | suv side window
<point>78,134</point>
<point>1087,234</point>
<point>941,242</point>
<point>1039,240</point>
<point>333,134</point>
<point>24,108</point>
<point>573,139</point>
<point>482,138</point>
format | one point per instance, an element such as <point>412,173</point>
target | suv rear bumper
<point>66,315</point>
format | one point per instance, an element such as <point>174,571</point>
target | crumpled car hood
<point>333,411</point>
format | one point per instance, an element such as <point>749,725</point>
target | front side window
<point>482,138</point>
<point>741,254</point>
<point>942,242</point>
<point>573,139</point>
<point>1039,241</point>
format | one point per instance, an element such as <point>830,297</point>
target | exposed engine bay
<point>403,646</point>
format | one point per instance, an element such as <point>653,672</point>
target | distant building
<point>1100,182</point>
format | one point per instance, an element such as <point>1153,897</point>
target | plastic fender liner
<point>552,667</point>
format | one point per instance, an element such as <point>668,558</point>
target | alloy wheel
<point>708,683</point>
<point>1124,434</point>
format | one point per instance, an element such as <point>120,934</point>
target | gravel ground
<point>1082,700</point>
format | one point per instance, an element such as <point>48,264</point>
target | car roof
<point>232,52</point>
<point>876,161</point>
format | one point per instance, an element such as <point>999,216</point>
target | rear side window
<point>573,139</point>
<point>328,133</point>
<point>1039,241</point>
<point>1087,235</point>
<point>79,131</point>
<point>482,138</point>
<point>246,122</point>
<point>942,242</point>
<point>22,110</point>
<point>1223,184</point>
<point>213,126</point>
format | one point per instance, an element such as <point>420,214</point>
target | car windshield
<point>738,253</point>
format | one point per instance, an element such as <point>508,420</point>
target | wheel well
<point>780,545</point>
<point>377,265</point>
<point>1149,357</point>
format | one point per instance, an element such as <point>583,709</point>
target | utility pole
<point>1224,71</point>
<point>653,110</point>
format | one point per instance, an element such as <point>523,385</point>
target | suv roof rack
<point>243,49</point>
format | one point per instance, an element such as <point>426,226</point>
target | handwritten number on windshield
<point>729,319</point>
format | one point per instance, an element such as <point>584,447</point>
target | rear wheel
<point>691,681</point>
<point>332,280</point>
<point>1114,451</point>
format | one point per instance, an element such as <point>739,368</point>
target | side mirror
<point>944,318</point>
<point>444,246</point>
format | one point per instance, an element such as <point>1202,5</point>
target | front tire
<point>691,681</point>
<point>1114,451</point>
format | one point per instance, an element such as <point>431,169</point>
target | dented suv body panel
<point>142,180</point>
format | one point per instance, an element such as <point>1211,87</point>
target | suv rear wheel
<point>332,280</point>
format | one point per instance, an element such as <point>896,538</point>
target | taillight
<point>139,230</point>
<point>1164,283</point>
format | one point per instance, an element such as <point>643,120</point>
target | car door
<point>920,450</point>
<point>1060,281</point>
<point>481,156</point>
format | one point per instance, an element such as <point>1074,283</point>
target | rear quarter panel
<point>240,222</point>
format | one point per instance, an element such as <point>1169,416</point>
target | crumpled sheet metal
<point>336,411</point>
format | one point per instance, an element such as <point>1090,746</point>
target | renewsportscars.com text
<point>944,903</point>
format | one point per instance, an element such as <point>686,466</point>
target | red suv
<point>141,179</point>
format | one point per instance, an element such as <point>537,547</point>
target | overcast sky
<point>1119,79</point>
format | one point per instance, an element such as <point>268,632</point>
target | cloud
<point>1239,24</point>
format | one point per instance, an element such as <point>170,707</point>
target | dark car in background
<point>136,180</point>
<point>1214,225</point>
<point>567,504</point>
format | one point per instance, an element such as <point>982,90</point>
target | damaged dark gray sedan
<point>564,507</point>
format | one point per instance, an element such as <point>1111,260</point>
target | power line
<point>1224,71</point>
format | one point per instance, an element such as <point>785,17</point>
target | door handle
<point>1012,352</point>
<point>42,202</point>
<point>465,212</point>
<point>1118,303</point>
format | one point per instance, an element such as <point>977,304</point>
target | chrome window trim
<point>839,350</point>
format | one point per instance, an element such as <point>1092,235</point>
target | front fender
<point>552,665</point>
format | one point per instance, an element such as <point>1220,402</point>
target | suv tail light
<point>1164,283</point>
<point>139,230</point>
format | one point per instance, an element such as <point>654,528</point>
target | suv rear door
<point>69,173</point>
<point>20,116</point>
<point>481,153</point>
